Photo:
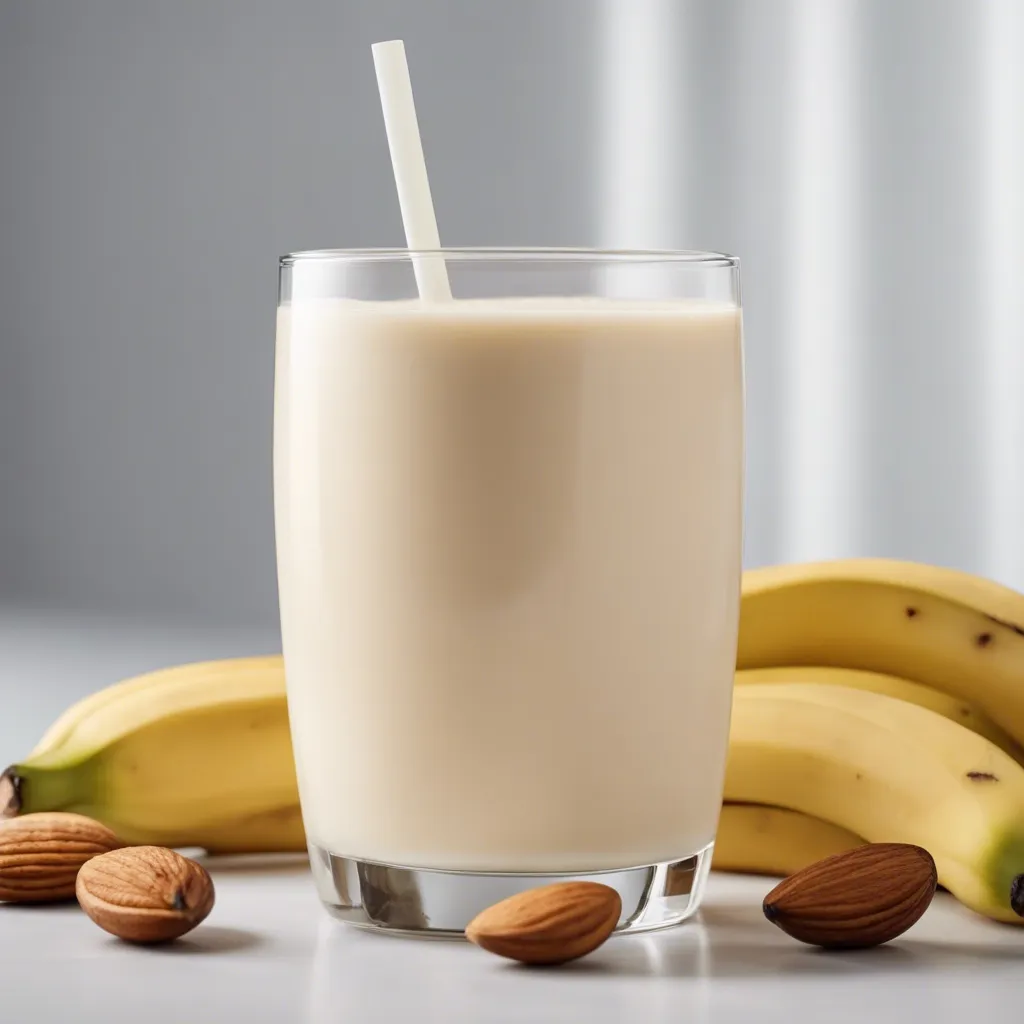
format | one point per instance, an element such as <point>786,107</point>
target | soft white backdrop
<point>864,158</point>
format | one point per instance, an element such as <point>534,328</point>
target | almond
<point>548,925</point>
<point>41,854</point>
<point>856,899</point>
<point>145,893</point>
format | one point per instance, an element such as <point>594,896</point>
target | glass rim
<point>483,254</point>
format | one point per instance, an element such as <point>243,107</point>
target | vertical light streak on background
<point>757,173</point>
<point>641,178</point>
<point>1003,293</point>
<point>822,499</point>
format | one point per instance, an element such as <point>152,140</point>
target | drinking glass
<point>509,552</point>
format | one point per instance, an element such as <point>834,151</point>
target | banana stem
<point>10,793</point>
<point>25,789</point>
<point>1017,895</point>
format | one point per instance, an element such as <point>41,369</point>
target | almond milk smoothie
<point>509,541</point>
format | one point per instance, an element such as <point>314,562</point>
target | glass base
<point>425,903</point>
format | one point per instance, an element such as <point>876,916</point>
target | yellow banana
<point>774,841</point>
<point>760,840</point>
<point>195,756</point>
<point>177,674</point>
<point>954,708</point>
<point>887,770</point>
<point>278,830</point>
<point>955,632</point>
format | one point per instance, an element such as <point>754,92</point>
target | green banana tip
<point>1017,895</point>
<point>10,793</point>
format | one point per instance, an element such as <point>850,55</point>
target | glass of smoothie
<point>509,554</point>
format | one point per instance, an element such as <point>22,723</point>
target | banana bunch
<point>197,755</point>
<point>875,701</point>
<point>880,701</point>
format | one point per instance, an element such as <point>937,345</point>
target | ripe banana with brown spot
<point>889,771</point>
<point>952,631</point>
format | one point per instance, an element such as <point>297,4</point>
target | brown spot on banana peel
<point>911,613</point>
<point>10,794</point>
<point>984,639</point>
<point>982,777</point>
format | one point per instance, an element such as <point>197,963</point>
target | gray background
<point>864,159</point>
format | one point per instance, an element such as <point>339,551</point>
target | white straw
<point>410,168</point>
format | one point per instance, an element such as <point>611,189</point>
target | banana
<point>759,840</point>
<point>194,756</point>
<point>65,725</point>
<point>887,770</point>
<point>756,839</point>
<point>277,830</point>
<point>952,631</point>
<point>953,708</point>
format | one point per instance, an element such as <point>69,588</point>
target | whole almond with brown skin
<point>41,854</point>
<point>856,899</point>
<point>145,893</point>
<point>550,924</point>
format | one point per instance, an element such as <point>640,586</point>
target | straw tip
<point>387,44</point>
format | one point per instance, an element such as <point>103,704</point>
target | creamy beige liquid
<point>509,560</point>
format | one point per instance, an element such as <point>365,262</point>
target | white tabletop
<point>269,953</point>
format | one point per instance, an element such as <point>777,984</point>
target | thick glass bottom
<point>421,902</point>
